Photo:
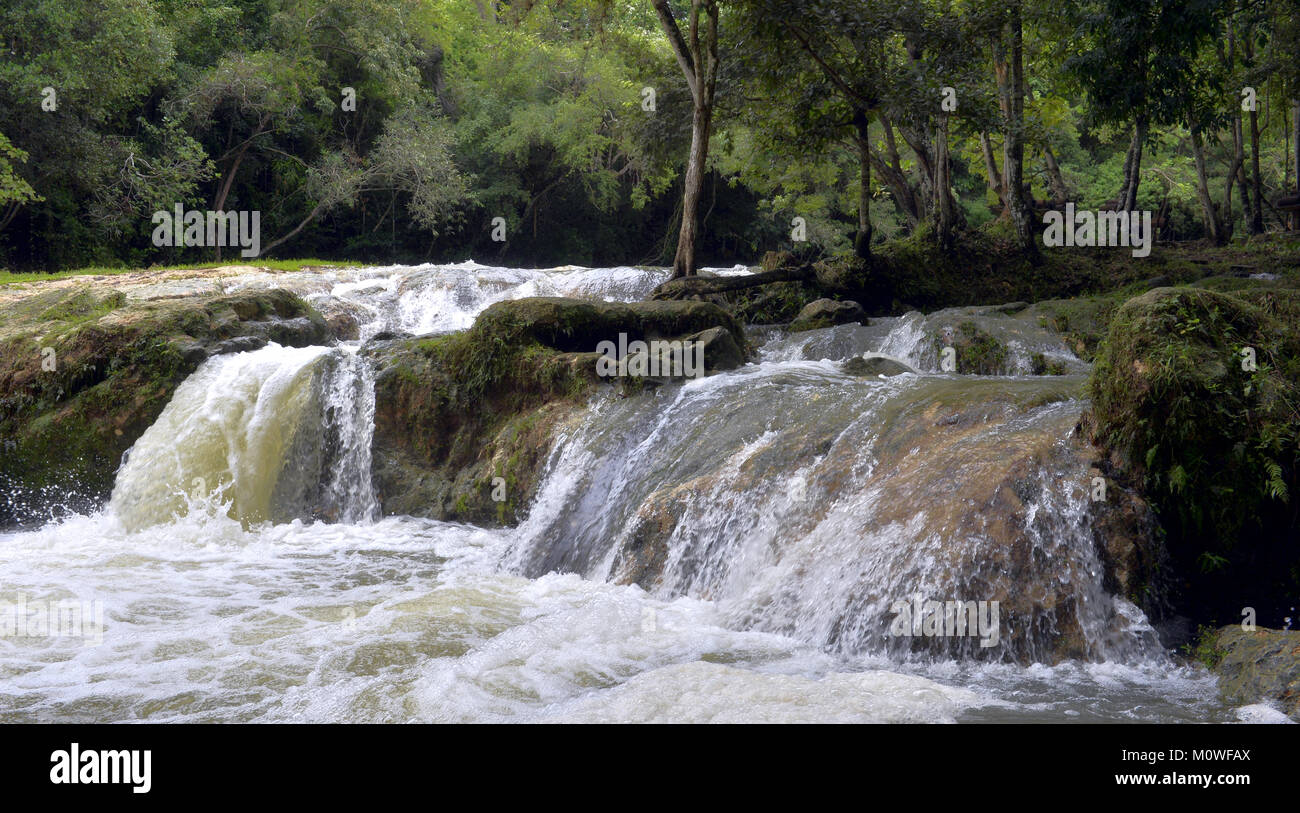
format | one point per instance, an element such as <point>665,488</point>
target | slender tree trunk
<point>862,241</point>
<point>1295,142</point>
<point>1212,223</point>
<point>684,261</point>
<point>1226,216</point>
<point>904,195</point>
<point>1239,162</point>
<point>1128,171</point>
<point>1013,160</point>
<point>1257,199</point>
<point>945,207</point>
<point>1054,177</point>
<point>991,170</point>
<point>1133,166</point>
<point>698,60</point>
<point>294,233</point>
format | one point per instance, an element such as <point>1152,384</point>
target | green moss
<point>1041,365</point>
<point>454,411</point>
<point>1214,445</point>
<point>977,352</point>
<point>1205,649</point>
<point>65,426</point>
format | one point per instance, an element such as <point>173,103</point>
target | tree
<point>1009,67</point>
<point>828,91</point>
<point>14,191</point>
<point>1132,58</point>
<point>698,58</point>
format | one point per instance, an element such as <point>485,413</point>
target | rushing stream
<point>242,572</point>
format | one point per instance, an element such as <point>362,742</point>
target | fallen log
<point>685,287</point>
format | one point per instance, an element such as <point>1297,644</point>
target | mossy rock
<point>1041,365</point>
<point>827,313</point>
<point>1213,443</point>
<point>453,413</point>
<point>976,351</point>
<point>1259,665</point>
<point>83,373</point>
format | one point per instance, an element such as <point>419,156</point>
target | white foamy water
<point>411,620</point>
<point>269,590</point>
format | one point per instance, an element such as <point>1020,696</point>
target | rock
<point>843,275</point>
<point>827,313</point>
<point>963,465</point>
<point>241,344</point>
<point>721,351</point>
<point>1010,308</point>
<point>455,412</point>
<point>344,326</point>
<point>114,361</point>
<point>1258,666</point>
<point>1208,441</point>
<point>1126,534</point>
<point>580,325</point>
<point>976,352</point>
<point>874,365</point>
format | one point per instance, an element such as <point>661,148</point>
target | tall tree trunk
<point>1239,164</point>
<point>1255,217</point>
<point>991,170</point>
<point>1212,222</point>
<point>945,207</point>
<point>684,261</point>
<point>1226,217</point>
<point>1013,160</point>
<point>862,241</point>
<point>892,171</point>
<point>698,60</point>
<point>1054,177</point>
<point>1133,166</point>
<point>1295,142</point>
<point>1257,198</point>
<point>1128,171</point>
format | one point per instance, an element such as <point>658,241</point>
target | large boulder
<point>827,313</point>
<point>85,369</point>
<point>464,422</point>
<point>872,366</point>
<point>1260,665</point>
<point>976,485</point>
<point>1194,395</point>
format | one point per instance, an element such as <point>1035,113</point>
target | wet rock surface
<point>1262,665</point>
<point>826,313</point>
<point>85,369</point>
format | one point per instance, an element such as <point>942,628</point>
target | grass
<point>8,277</point>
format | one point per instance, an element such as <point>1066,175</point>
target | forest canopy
<point>419,130</point>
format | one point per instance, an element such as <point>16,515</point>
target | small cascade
<point>809,503</point>
<point>276,434</point>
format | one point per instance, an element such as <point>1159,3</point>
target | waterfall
<point>803,500</point>
<point>272,434</point>
<point>733,547</point>
<point>807,502</point>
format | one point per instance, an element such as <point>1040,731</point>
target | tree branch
<point>680,49</point>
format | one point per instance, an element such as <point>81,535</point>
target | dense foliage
<point>399,130</point>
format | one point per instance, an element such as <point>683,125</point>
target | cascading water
<point>279,433</point>
<point>727,549</point>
